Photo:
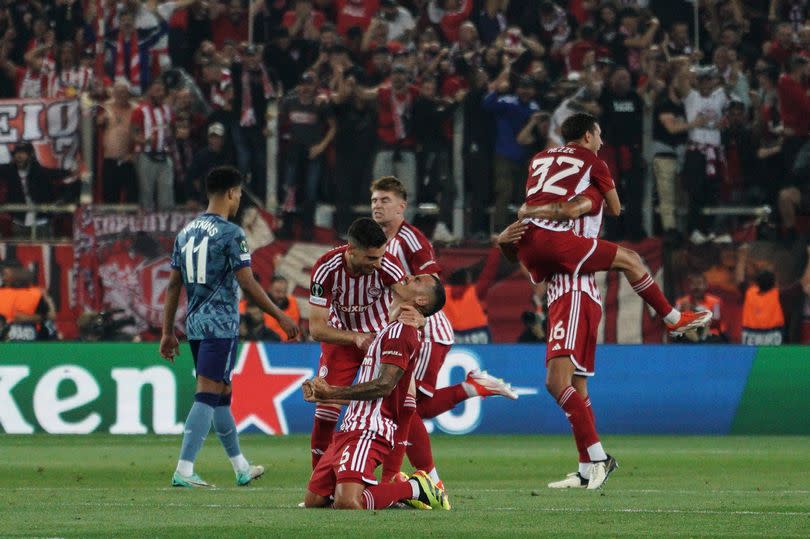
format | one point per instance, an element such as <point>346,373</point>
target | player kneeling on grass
<point>384,388</point>
<point>210,257</point>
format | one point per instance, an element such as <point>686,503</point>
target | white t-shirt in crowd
<point>712,107</point>
<point>401,24</point>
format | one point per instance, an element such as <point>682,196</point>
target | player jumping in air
<point>556,238</point>
<point>415,253</point>
<point>383,390</point>
<point>210,257</point>
<point>549,246</point>
<point>574,312</point>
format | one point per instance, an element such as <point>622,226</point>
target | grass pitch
<point>118,486</point>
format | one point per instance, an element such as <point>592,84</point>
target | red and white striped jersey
<point>587,226</point>
<point>356,302</point>
<point>70,82</point>
<point>217,95</point>
<point>397,344</point>
<point>416,255</point>
<point>560,174</point>
<point>155,124</point>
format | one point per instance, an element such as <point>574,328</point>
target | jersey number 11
<point>202,257</point>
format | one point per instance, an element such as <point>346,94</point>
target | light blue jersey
<point>207,252</point>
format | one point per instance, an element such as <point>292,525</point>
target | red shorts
<point>573,325</point>
<point>339,363</point>
<point>430,360</point>
<point>352,457</point>
<point>545,252</point>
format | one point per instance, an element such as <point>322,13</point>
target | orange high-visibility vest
<point>464,311</point>
<point>271,323</point>
<point>14,301</point>
<point>762,311</point>
<point>291,311</point>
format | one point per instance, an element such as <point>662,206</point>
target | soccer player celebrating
<point>557,175</point>
<point>346,470</point>
<point>350,292</point>
<point>574,312</point>
<point>410,246</point>
<point>210,257</point>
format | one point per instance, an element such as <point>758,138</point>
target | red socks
<point>443,399</point>
<point>392,462</point>
<point>650,293</point>
<point>323,428</point>
<point>419,451</point>
<point>583,449</point>
<point>386,494</point>
<point>573,405</point>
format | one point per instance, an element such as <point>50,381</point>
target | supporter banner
<point>122,264</point>
<point>51,125</point>
<point>128,389</point>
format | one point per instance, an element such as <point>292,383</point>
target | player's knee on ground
<point>348,501</point>
<point>312,500</point>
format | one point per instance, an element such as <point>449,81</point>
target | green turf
<point>108,486</point>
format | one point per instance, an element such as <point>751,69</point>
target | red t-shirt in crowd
<point>355,13</point>
<point>317,18</point>
<point>794,105</point>
<point>223,28</point>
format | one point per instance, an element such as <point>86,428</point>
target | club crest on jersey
<point>316,290</point>
<point>323,371</point>
<point>374,292</point>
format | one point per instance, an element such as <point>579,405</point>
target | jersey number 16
<point>541,167</point>
<point>202,257</point>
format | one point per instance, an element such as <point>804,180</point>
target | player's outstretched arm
<point>254,291</point>
<point>382,386</point>
<point>321,331</point>
<point>169,346</point>
<point>557,211</point>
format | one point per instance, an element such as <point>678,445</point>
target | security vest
<point>464,311</point>
<point>291,311</point>
<point>762,311</point>
<point>271,323</point>
<point>14,301</point>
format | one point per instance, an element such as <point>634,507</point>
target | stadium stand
<point>704,105</point>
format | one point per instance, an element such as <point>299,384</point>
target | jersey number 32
<point>202,257</point>
<point>546,183</point>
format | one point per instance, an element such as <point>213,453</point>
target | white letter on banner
<point>11,420</point>
<point>471,417</point>
<point>31,128</point>
<point>129,383</point>
<point>48,407</point>
<point>63,118</point>
<point>8,134</point>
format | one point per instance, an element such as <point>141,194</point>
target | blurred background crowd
<point>704,107</point>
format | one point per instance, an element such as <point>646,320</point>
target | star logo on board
<point>259,390</point>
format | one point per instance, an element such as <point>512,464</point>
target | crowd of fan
<point>369,87</point>
<point>364,88</point>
